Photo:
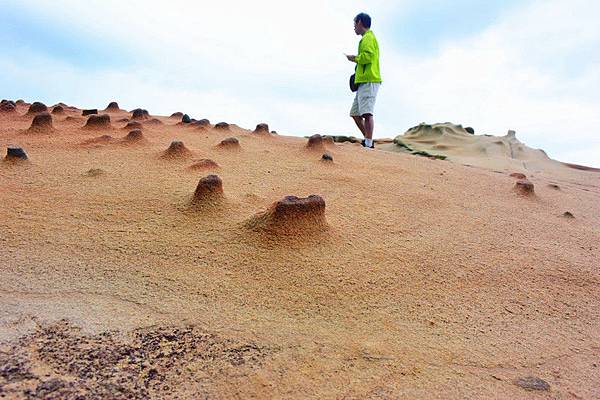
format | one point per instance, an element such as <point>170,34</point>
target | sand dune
<point>193,265</point>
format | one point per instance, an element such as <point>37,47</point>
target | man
<point>368,78</point>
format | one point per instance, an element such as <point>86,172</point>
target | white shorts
<point>364,101</point>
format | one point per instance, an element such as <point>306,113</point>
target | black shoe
<point>362,142</point>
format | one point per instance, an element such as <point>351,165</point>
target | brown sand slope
<point>419,278</point>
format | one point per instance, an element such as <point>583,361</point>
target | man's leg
<point>369,124</point>
<point>361,124</point>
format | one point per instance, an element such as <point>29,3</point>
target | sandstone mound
<point>104,139</point>
<point>315,142</point>
<point>93,111</point>
<point>178,115</point>
<point>113,106</point>
<point>518,175</point>
<point>98,122</point>
<point>42,123</point>
<point>230,143</point>
<point>209,190</point>
<point>203,164</point>
<point>328,140</point>
<point>524,187</point>
<point>140,114</point>
<point>222,126</point>
<point>568,215</point>
<point>292,215</point>
<point>261,128</point>
<point>8,106</point>
<point>37,107</point>
<point>153,121</point>
<point>202,123</point>
<point>327,157</point>
<point>133,125</point>
<point>176,150</point>
<point>58,110</point>
<point>135,137</point>
<point>14,153</point>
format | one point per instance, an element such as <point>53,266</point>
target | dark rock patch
<point>186,119</point>
<point>92,111</point>
<point>327,157</point>
<point>470,130</point>
<point>568,215</point>
<point>15,153</point>
<point>222,126</point>
<point>141,364</point>
<point>532,383</point>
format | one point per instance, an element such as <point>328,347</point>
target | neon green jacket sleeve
<point>367,60</point>
<point>366,50</point>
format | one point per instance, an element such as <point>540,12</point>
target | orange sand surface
<point>429,279</point>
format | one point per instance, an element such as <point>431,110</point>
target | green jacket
<point>367,60</point>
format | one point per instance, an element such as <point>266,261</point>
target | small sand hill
<point>492,152</point>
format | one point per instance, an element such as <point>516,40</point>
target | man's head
<point>362,23</point>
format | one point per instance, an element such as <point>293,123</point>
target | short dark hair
<point>364,19</point>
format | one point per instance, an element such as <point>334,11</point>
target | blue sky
<point>532,66</point>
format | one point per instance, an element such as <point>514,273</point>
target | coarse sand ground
<point>429,280</point>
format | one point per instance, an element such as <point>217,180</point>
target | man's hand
<point>351,58</point>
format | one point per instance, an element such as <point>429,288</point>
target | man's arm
<point>367,51</point>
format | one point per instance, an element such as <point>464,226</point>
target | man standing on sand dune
<point>367,77</point>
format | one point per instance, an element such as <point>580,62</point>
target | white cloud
<point>280,62</point>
